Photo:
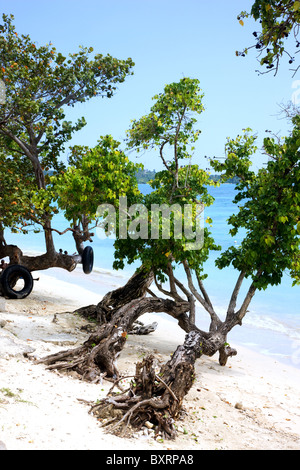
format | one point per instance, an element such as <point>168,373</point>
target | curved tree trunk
<point>158,397</point>
<point>50,259</point>
<point>99,353</point>
<point>135,288</point>
<point>40,262</point>
<point>152,397</point>
<point>116,314</point>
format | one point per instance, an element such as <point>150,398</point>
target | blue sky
<point>167,39</point>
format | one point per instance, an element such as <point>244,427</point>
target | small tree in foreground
<point>269,211</point>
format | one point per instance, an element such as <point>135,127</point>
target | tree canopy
<point>170,128</point>
<point>268,200</point>
<point>278,34</point>
<point>269,209</point>
<point>40,84</point>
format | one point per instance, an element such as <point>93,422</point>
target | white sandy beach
<point>253,403</point>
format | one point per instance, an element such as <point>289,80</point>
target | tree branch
<point>207,305</point>
<point>235,293</point>
<point>203,290</point>
<point>191,300</point>
<point>21,144</point>
<point>243,310</point>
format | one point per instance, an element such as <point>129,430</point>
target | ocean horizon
<point>272,324</point>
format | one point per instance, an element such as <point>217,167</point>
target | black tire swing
<point>9,280</point>
<point>11,276</point>
<point>88,260</point>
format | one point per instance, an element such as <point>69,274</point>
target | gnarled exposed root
<point>143,403</point>
<point>99,353</point>
<point>154,396</point>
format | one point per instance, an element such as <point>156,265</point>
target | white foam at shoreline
<point>268,323</point>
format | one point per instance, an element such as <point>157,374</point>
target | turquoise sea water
<point>272,325</point>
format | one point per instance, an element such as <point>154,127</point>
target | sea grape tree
<point>95,176</point>
<point>269,212</point>
<point>40,84</point>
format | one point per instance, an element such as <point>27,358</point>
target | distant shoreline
<point>144,176</point>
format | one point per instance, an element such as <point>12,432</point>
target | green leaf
<point>296,6</point>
